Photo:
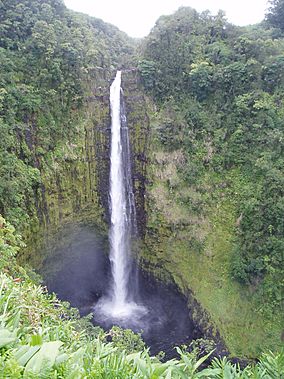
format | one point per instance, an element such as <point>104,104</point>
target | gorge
<point>203,101</point>
<point>113,288</point>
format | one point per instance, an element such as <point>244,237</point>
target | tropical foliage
<point>220,93</point>
<point>41,338</point>
<point>219,96</point>
<point>47,54</point>
<point>275,16</point>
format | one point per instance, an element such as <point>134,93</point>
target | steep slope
<point>214,187</point>
<point>215,193</point>
<point>55,70</point>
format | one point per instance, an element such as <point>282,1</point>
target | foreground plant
<point>43,338</point>
<point>40,337</point>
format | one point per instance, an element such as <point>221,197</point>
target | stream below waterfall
<point>76,267</point>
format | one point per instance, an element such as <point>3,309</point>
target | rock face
<point>138,123</point>
<point>73,183</point>
<point>76,187</point>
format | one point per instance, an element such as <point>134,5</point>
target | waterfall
<point>120,302</point>
<point>122,207</point>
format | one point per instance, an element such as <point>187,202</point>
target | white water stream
<point>120,303</point>
<point>119,230</point>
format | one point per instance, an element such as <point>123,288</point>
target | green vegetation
<point>47,56</point>
<point>41,337</point>
<point>216,182</point>
<point>215,190</point>
<point>275,16</point>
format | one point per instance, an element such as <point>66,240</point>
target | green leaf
<point>169,373</point>
<point>36,340</point>
<point>78,355</point>
<point>61,358</point>
<point>15,320</point>
<point>159,370</point>
<point>6,337</point>
<point>202,359</point>
<point>25,353</point>
<point>45,357</point>
<point>209,373</point>
<point>227,374</point>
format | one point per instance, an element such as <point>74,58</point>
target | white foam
<point>110,309</point>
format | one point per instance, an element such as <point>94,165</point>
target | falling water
<point>120,302</point>
<point>120,208</point>
<point>163,317</point>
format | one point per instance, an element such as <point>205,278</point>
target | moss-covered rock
<point>190,241</point>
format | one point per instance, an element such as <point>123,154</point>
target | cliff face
<point>137,111</point>
<point>189,241</point>
<point>76,188</point>
<point>55,69</point>
<point>74,184</point>
<point>215,187</point>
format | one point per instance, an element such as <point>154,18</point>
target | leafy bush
<point>220,89</point>
<point>42,337</point>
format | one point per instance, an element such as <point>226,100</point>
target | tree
<point>275,16</point>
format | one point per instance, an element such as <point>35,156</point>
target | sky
<point>136,18</point>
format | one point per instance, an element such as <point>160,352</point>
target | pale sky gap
<point>137,18</point>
